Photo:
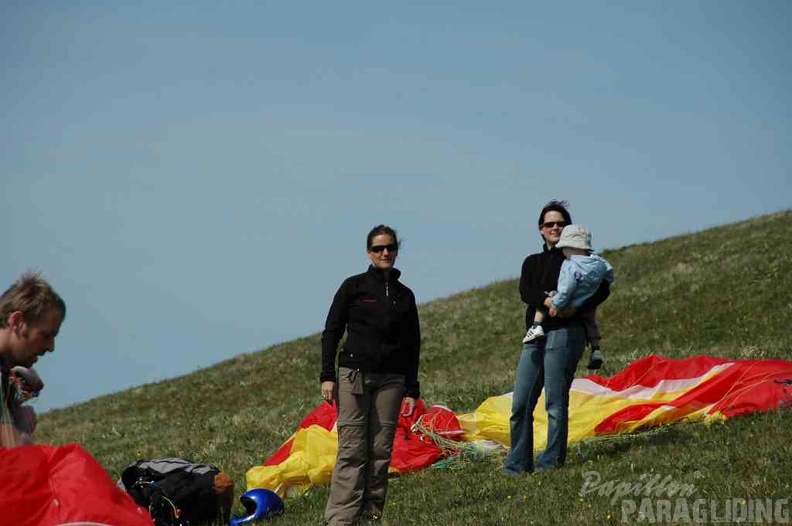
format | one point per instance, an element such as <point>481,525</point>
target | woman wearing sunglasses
<point>377,375</point>
<point>549,362</point>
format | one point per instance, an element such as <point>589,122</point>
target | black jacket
<point>539,276</point>
<point>381,322</point>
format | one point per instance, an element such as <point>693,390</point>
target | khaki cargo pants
<point>368,412</point>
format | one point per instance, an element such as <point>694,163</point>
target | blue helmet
<point>261,504</point>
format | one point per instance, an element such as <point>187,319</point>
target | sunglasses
<point>393,247</point>
<point>551,224</point>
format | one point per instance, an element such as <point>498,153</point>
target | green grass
<point>726,291</point>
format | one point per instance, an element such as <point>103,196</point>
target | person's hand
<point>328,388</point>
<point>567,312</point>
<point>553,312</point>
<point>29,382</point>
<point>408,406</point>
<point>548,302</point>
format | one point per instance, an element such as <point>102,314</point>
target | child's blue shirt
<point>580,278</point>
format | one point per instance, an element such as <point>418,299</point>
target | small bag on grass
<point>178,492</point>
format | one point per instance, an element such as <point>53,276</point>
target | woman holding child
<point>550,360</point>
<point>377,374</point>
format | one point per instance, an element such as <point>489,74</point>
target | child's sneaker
<point>596,359</point>
<point>534,333</point>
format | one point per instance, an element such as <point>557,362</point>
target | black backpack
<point>178,492</point>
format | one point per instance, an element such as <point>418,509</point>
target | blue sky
<point>196,179</point>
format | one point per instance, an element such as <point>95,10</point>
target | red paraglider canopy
<point>56,486</point>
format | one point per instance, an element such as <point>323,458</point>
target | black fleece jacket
<point>539,276</point>
<point>381,321</point>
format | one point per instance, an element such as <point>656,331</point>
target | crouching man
<point>31,313</point>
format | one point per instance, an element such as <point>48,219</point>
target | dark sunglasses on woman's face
<point>551,224</point>
<point>379,248</point>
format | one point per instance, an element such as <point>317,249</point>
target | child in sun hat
<point>581,275</point>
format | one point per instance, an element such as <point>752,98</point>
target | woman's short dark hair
<point>380,230</point>
<point>559,206</point>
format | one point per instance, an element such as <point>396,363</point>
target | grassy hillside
<point>726,291</point>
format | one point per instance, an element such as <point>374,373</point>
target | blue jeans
<point>549,363</point>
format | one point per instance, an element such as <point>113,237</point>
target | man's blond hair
<point>31,295</point>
